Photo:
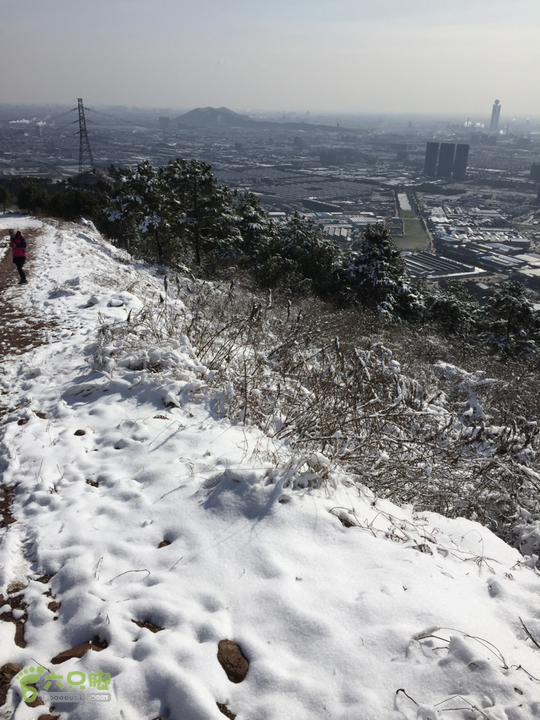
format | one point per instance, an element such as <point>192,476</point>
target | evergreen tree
<point>140,210</point>
<point>509,322</point>
<point>33,198</point>
<point>201,210</point>
<point>257,230</point>
<point>167,212</point>
<point>5,197</point>
<point>376,277</point>
<point>299,256</point>
<point>73,204</point>
<point>452,307</point>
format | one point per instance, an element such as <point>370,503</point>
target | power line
<point>67,112</point>
<point>122,120</point>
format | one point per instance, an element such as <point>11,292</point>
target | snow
<point>345,605</point>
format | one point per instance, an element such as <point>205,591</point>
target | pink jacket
<point>18,243</point>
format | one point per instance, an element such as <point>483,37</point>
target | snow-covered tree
<point>171,211</point>
<point>298,255</point>
<point>509,322</point>
<point>257,230</point>
<point>376,277</point>
<point>201,209</point>
<point>139,207</point>
<point>452,307</point>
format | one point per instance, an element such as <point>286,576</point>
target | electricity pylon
<point>85,152</point>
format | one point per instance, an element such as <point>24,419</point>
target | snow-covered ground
<point>145,505</point>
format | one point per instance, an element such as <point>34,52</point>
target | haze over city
<point>383,56</point>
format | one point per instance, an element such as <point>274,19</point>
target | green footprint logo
<point>27,677</point>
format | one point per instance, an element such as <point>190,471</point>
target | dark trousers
<point>19,262</point>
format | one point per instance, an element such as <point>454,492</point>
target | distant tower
<point>460,162</point>
<point>446,160</point>
<point>495,113</point>
<point>430,164</point>
<point>85,153</point>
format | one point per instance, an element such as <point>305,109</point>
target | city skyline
<point>358,56</point>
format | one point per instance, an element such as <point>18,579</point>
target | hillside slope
<point>149,524</point>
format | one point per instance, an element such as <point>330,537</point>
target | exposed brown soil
<point>37,702</point>
<point>7,673</point>
<point>345,521</point>
<point>15,602</point>
<point>6,499</point>
<point>43,579</point>
<point>18,331</point>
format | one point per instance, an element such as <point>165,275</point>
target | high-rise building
<point>446,160</point>
<point>495,114</point>
<point>535,173</point>
<point>430,164</point>
<point>460,162</point>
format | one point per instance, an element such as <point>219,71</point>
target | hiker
<point>18,245</point>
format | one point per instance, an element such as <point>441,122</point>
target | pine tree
<point>257,230</point>
<point>452,307</point>
<point>167,212</point>
<point>139,207</point>
<point>202,210</point>
<point>5,197</point>
<point>509,322</point>
<point>34,198</point>
<point>298,255</point>
<point>72,204</point>
<point>376,277</point>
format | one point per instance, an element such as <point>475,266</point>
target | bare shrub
<point>328,386</point>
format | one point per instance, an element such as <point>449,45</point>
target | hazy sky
<point>447,56</point>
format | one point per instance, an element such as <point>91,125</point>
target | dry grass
<point>342,390</point>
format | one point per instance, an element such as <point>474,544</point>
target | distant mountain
<point>222,117</point>
<point>214,118</point>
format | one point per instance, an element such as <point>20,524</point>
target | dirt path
<point>19,331</point>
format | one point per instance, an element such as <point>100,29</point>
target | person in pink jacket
<point>18,245</point>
